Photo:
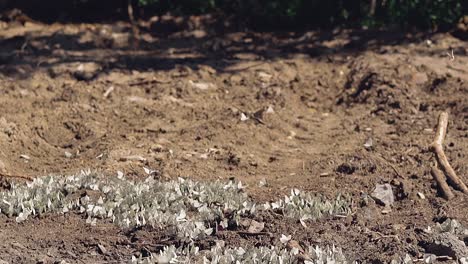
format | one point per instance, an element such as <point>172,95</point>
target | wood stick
<point>442,158</point>
<point>442,183</point>
<point>3,175</point>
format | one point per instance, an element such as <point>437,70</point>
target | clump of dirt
<point>385,82</point>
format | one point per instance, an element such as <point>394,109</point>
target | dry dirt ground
<point>294,109</point>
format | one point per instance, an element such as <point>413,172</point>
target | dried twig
<point>442,158</point>
<point>389,164</point>
<point>442,258</point>
<point>135,30</point>
<point>254,233</point>
<point>108,91</point>
<point>152,81</point>
<point>451,56</point>
<point>3,175</point>
<point>441,181</point>
<point>381,236</point>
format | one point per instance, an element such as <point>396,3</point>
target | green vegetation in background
<point>372,13</point>
<point>420,13</point>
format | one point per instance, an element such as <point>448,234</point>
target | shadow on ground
<point>165,46</point>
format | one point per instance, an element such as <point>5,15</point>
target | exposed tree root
<point>442,183</point>
<point>442,158</point>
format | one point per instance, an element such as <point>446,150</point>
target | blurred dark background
<point>258,14</point>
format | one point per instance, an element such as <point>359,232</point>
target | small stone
<point>429,258</point>
<point>421,196</point>
<point>120,40</point>
<point>387,210</point>
<point>235,79</point>
<point>87,71</point>
<point>396,183</point>
<point>156,148</point>
<point>202,85</point>
<point>207,68</point>
<point>420,78</point>
<point>446,244</point>
<point>26,157</point>
<point>256,227</point>
<point>198,34</point>
<point>102,249</point>
<point>383,194</point>
<point>292,134</point>
<point>68,154</point>
<point>264,77</point>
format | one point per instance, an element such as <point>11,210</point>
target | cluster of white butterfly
<point>220,254</point>
<point>190,209</point>
<point>129,203</point>
<point>154,202</point>
<point>305,206</point>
